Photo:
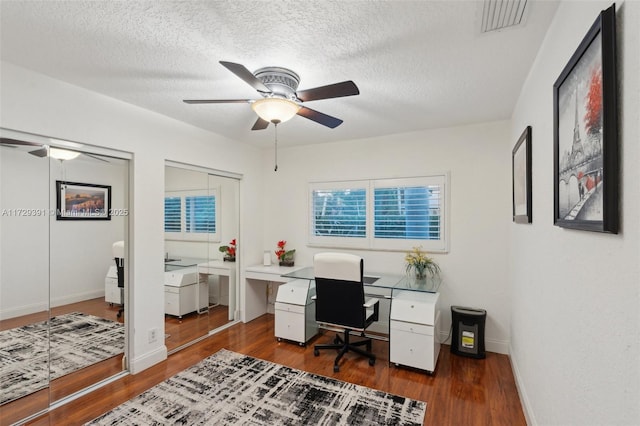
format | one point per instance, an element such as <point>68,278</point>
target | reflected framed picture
<point>585,133</point>
<point>521,177</point>
<point>82,201</point>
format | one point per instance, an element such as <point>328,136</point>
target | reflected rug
<point>228,388</point>
<point>77,341</point>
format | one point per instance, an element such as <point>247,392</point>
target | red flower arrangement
<point>285,257</point>
<point>229,251</point>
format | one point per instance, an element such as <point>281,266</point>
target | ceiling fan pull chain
<point>275,123</point>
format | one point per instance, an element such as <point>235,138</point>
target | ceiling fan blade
<point>95,157</point>
<point>217,101</point>
<point>337,90</point>
<point>318,117</point>
<point>260,124</point>
<point>42,152</point>
<point>9,142</point>
<point>246,75</point>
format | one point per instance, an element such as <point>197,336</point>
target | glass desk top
<point>388,281</point>
<point>184,262</point>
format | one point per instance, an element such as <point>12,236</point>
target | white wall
<point>35,103</point>
<point>24,246</point>
<point>475,269</point>
<point>575,310</point>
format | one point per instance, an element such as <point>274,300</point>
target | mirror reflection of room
<point>201,216</point>
<point>62,212</point>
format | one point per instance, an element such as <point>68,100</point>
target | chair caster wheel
<point>336,369</point>
<point>316,352</point>
<point>372,362</point>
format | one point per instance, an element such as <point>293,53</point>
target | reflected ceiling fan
<point>281,99</point>
<point>46,151</point>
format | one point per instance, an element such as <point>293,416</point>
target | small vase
<point>229,259</point>
<point>286,262</point>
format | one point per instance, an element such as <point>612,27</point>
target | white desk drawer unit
<point>112,293</point>
<point>179,301</point>
<point>414,322</point>
<point>295,312</point>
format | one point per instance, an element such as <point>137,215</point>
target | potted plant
<point>285,257</point>
<point>420,266</point>
<point>229,251</point>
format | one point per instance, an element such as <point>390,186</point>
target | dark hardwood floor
<point>179,331</point>
<point>462,391</point>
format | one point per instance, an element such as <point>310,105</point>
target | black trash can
<point>468,331</point>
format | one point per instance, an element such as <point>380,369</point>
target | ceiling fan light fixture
<point>275,109</point>
<point>62,154</point>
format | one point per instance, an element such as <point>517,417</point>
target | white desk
<point>256,279</point>
<point>221,269</point>
<point>411,318</point>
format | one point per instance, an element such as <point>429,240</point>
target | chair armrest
<point>375,304</point>
<point>369,303</point>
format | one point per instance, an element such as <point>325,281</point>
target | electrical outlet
<point>153,335</point>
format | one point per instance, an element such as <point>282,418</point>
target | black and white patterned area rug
<point>77,340</point>
<point>228,388</point>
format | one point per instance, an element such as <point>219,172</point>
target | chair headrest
<point>118,249</point>
<point>339,266</point>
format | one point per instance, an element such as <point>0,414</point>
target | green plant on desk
<point>420,265</point>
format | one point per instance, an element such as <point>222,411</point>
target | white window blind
<point>191,215</point>
<point>200,214</point>
<point>385,214</point>
<point>340,212</point>
<point>172,214</point>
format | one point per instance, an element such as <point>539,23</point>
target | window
<point>191,215</point>
<point>340,212</point>
<point>385,214</point>
<point>200,214</point>
<point>172,214</point>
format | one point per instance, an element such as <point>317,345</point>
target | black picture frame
<point>521,178</point>
<point>585,171</point>
<point>82,201</point>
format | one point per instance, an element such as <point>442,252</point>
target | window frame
<point>183,235</point>
<point>370,242</point>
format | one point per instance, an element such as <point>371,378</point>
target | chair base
<point>344,346</point>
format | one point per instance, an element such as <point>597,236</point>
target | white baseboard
<point>522,393</point>
<point>148,360</point>
<point>491,345</point>
<point>19,311</point>
<point>77,297</point>
<point>33,308</point>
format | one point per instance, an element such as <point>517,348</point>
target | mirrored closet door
<point>63,206</point>
<point>201,237</point>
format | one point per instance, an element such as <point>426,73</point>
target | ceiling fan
<point>47,151</point>
<point>280,98</point>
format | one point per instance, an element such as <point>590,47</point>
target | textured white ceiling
<point>418,64</point>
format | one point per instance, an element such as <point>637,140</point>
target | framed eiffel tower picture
<point>586,171</point>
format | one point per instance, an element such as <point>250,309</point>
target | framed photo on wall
<point>521,178</point>
<point>82,201</point>
<point>585,133</point>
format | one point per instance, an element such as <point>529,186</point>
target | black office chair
<point>118,257</point>
<point>340,303</point>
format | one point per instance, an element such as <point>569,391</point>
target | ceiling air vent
<point>499,14</point>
